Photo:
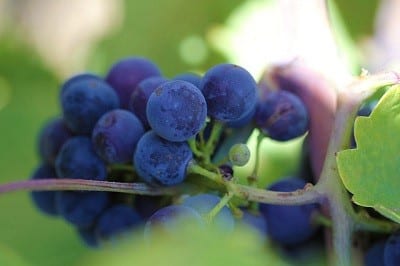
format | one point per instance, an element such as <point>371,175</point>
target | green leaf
<point>9,257</point>
<point>372,171</point>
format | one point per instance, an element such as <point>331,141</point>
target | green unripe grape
<point>239,154</point>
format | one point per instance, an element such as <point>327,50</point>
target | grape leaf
<point>371,171</point>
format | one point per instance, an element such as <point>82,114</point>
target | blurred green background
<point>38,49</point>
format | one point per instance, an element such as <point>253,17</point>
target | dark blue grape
<point>115,221</point>
<point>243,121</point>
<point>88,237</point>
<point>374,255</point>
<point>176,110</point>
<point>289,225</point>
<point>45,200</point>
<point>126,74</point>
<point>53,135</point>
<point>189,77</point>
<point>391,253</point>
<point>171,219</point>
<point>140,96</point>
<point>81,208</point>
<point>204,203</point>
<point>76,79</point>
<point>115,136</point>
<point>282,116</point>
<point>77,159</point>
<point>161,162</point>
<point>85,102</point>
<point>230,92</point>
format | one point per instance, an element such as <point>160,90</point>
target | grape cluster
<point>136,125</point>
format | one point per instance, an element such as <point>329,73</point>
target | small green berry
<point>239,154</point>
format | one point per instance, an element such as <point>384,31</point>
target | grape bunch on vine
<point>134,154</point>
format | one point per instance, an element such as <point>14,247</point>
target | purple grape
<point>161,162</point>
<point>169,220</point>
<point>391,255</point>
<point>115,136</point>
<point>85,102</point>
<point>77,159</point>
<point>204,203</point>
<point>230,92</point>
<point>289,225</point>
<point>282,116</point>
<point>374,255</point>
<point>176,110</point>
<point>189,77</point>
<point>53,135</point>
<point>81,208</point>
<point>141,95</point>
<point>76,79</point>
<point>116,221</point>
<point>243,121</point>
<point>45,200</point>
<point>126,74</point>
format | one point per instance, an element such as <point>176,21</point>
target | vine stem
<point>55,184</point>
<point>344,218</point>
<point>298,197</point>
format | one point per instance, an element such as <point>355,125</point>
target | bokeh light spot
<point>193,50</point>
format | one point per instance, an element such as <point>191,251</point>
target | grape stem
<point>55,184</point>
<point>253,178</point>
<point>212,140</point>
<point>224,201</point>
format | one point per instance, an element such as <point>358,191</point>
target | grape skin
<point>282,116</point>
<point>85,102</point>
<point>77,159</point>
<point>115,136</point>
<point>230,92</point>
<point>176,110</point>
<point>81,208</point>
<point>126,74</point>
<point>140,96</point>
<point>189,77</point>
<point>45,200</point>
<point>115,221</point>
<point>161,162</point>
<point>392,250</point>
<point>76,79</point>
<point>289,225</point>
<point>374,255</point>
<point>53,135</point>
